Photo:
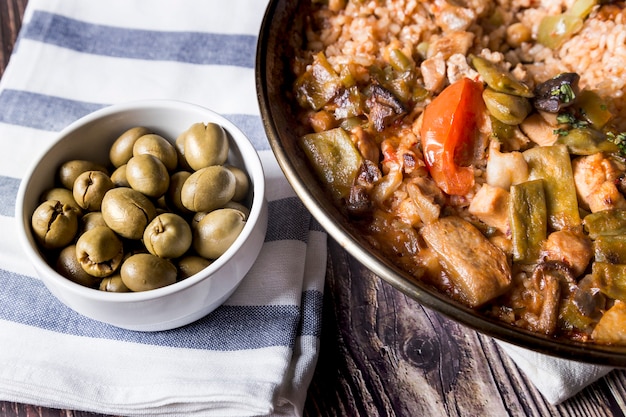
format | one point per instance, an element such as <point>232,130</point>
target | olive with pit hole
<point>127,212</point>
<point>54,224</point>
<point>63,195</point>
<point>70,170</point>
<point>67,264</point>
<point>191,265</point>
<point>159,147</point>
<point>89,189</point>
<point>113,283</point>
<point>148,175</point>
<point>144,271</point>
<point>217,231</point>
<point>168,236</point>
<point>203,145</point>
<point>208,188</point>
<point>122,149</point>
<point>99,251</point>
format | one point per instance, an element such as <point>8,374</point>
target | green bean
<point>593,108</point>
<point>509,109</point>
<point>528,219</point>
<point>605,223</point>
<point>552,164</point>
<point>586,141</point>
<point>399,61</point>
<point>610,279</point>
<point>499,80</point>
<point>611,249</point>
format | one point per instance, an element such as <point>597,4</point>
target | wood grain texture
<point>383,354</point>
<point>11,14</point>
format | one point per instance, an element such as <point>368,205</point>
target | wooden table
<point>383,354</point>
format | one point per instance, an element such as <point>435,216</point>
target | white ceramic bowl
<point>168,307</point>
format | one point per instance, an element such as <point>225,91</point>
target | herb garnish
<point>618,139</point>
<point>564,93</point>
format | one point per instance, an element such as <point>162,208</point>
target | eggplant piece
<point>318,85</point>
<point>557,93</point>
<point>334,158</point>
<point>383,106</point>
<point>477,268</point>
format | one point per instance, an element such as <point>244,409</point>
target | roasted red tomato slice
<point>449,131</point>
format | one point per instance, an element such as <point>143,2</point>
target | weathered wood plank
<point>385,355</point>
<point>11,14</point>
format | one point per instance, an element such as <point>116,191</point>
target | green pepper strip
<point>571,318</point>
<point>335,159</point>
<point>528,220</point>
<point>611,249</point>
<point>610,279</point>
<point>605,223</point>
<point>586,141</point>
<point>553,165</point>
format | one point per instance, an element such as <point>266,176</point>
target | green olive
<point>203,145</point>
<point>127,212</point>
<point>119,177</point>
<point>54,224</point>
<point>242,184</point>
<point>70,170</point>
<point>173,194</point>
<point>122,149</point>
<point>148,175</point>
<point>67,265</point>
<point>91,220</point>
<point>217,231</point>
<point>100,251</point>
<point>159,147</point>
<point>191,265</point>
<point>238,206</point>
<point>168,236</point>
<point>196,218</point>
<point>113,283</point>
<point>208,188</point>
<point>90,187</point>
<point>144,271</point>
<point>509,109</point>
<point>63,195</point>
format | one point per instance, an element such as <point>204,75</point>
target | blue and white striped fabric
<point>255,355</point>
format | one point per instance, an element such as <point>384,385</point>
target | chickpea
<point>516,34</point>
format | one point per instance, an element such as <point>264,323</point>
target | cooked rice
<point>364,30</point>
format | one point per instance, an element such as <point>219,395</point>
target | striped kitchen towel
<point>255,355</point>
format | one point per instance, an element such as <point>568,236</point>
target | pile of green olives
<point>160,212</point>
